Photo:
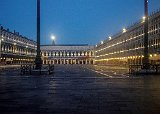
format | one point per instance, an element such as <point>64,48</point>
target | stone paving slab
<point>74,89</point>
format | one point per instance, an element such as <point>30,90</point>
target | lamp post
<point>38,60</point>
<point>146,55</point>
<point>53,39</point>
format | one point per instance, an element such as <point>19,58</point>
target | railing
<point>140,69</point>
<point>30,69</point>
<point>26,69</point>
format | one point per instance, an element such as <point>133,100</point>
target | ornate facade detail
<point>67,54</point>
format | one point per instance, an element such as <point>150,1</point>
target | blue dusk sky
<point>72,21</point>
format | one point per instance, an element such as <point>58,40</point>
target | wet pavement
<point>74,89</point>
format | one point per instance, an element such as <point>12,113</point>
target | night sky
<point>72,21</point>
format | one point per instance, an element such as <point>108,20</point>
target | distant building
<point>127,47</point>
<point>67,54</point>
<point>15,48</point>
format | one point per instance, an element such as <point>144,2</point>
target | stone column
<point>38,60</point>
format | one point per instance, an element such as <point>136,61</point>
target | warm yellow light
<point>143,17</point>
<point>124,30</point>
<point>155,54</point>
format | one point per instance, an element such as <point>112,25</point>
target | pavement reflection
<point>75,89</point>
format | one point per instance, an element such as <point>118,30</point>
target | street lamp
<point>110,37</point>
<point>124,30</point>
<point>102,42</point>
<point>53,39</point>
<point>143,19</point>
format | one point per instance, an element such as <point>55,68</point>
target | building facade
<point>15,48</point>
<point>127,47</point>
<point>67,54</point>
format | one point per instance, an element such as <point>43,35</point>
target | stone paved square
<point>74,89</point>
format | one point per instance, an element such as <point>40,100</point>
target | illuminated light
<point>124,30</point>
<point>150,55</point>
<point>96,45</point>
<point>53,37</point>
<point>26,46</point>
<point>15,43</point>
<point>143,19</point>
<point>155,55</point>
<point>102,42</point>
<point>110,37</point>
